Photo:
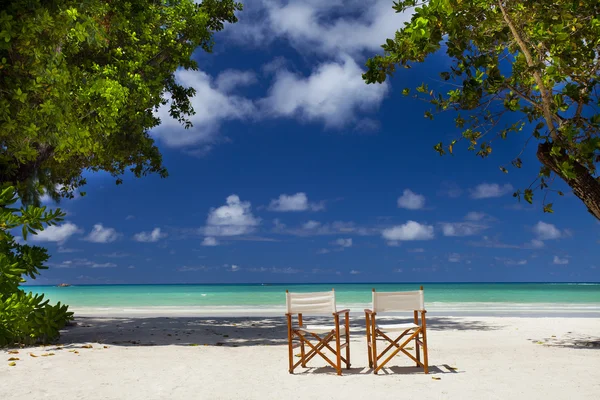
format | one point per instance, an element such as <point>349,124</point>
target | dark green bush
<point>25,318</point>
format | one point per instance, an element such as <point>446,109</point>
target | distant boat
<point>63,285</point>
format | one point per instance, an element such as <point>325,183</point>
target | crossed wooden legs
<point>321,343</point>
<point>418,334</point>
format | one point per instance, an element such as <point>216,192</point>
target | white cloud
<point>149,237</point>
<point>510,261</point>
<point>104,265</point>
<point>275,270</point>
<point>231,79</point>
<point>56,233</point>
<point>210,241</point>
<point>560,261</point>
<point>185,268</point>
<point>82,262</point>
<point>116,254</point>
<point>411,200</point>
<point>516,262</point>
<point>212,103</point>
<point>131,267</point>
<point>461,228</point>
<point>475,216</point>
<point>489,190</point>
<point>324,27</point>
<point>411,230</point>
<point>234,268</point>
<point>454,258</point>
<point>311,225</point>
<point>67,250</point>
<point>294,202</point>
<point>234,218</point>
<point>344,242</point>
<point>333,94</point>
<point>129,217</point>
<point>535,243</point>
<point>545,231</point>
<point>100,234</point>
<point>316,228</point>
<point>279,226</point>
<point>354,272</point>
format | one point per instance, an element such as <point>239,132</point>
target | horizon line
<point>314,283</point>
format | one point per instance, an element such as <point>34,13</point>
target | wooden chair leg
<point>369,350</point>
<point>290,344</point>
<point>338,350</point>
<point>347,326</point>
<point>302,352</point>
<point>424,335</point>
<point>417,350</point>
<point>374,343</point>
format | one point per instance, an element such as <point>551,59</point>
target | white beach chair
<point>317,303</point>
<point>394,302</point>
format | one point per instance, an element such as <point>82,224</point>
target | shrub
<point>25,318</point>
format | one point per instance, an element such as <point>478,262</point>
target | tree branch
<point>546,99</point>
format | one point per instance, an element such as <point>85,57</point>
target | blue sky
<point>297,171</point>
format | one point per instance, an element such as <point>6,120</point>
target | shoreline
<point>488,309</point>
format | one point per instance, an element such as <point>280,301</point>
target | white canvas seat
<point>321,329</point>
<point>396,327</point>
<point>319,303</point>
<point>394,302</point>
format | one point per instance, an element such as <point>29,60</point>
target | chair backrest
<point>398,301</point>
<point>310,303</point>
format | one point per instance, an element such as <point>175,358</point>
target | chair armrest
<point>347,310</point>
<point>367,311</point>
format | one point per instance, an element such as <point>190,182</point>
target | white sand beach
<point>246,358</point>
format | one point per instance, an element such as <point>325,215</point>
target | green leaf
<point>528,195</point>
<point>548,208</point>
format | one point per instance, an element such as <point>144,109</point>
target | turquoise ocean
<point>541,299</point>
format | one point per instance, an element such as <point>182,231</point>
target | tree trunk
<point>584,185</point>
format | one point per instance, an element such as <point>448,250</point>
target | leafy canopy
<point>532,62</point>
<point>80,81</point>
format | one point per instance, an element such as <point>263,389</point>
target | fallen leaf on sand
<point>298,355</point>
<point>436,378</point>
<point>32,355</point>
<point>13,359</point>
<point>87,346</point>
<point>13,352</point>
<point>193,344</point>
<point>12,364</point>
<point>73,351</point>
<point>539,342</point>
<point>47,354</point>
<point>409,348</point>
<point>553,335</point>
<point>106,347</point>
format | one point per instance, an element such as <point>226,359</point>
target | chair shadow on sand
<point>392,370</point>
